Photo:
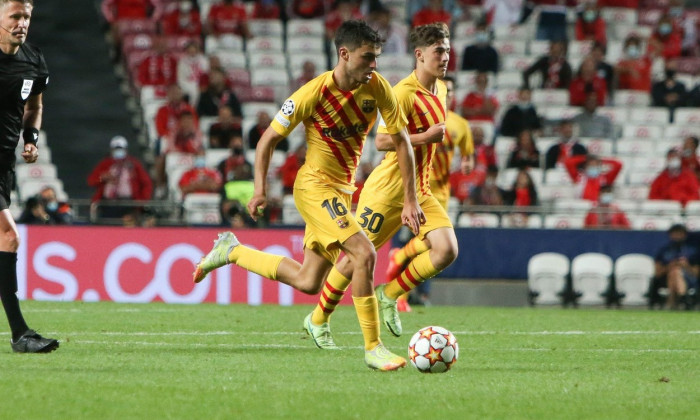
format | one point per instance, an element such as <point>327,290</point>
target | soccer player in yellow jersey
<point>458,134</point>
<point>422,97</point>
<point>337,108</point>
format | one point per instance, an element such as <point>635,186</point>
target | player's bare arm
<point>412,215</point>
<point>263,154</point>
<point>435,134</point>
<point>33,110</point>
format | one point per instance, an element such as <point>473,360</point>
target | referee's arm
<point>31,124</point>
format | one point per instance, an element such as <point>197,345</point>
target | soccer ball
<point>433,350</point>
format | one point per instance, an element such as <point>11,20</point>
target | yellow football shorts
<point>441,192</point>
<point>329,221</point>
<point>381,219</point>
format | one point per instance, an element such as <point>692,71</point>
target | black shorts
<point>7,185</point>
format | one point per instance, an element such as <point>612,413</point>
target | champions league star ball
<point>433,350</point>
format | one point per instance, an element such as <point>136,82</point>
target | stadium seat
<point>269,77</point>
<point>136,26</point>
<point>305,44</point>
<point>296,62</point>
<point>177,44</point>
<point>564,221</point>
<point>687,116</point>
<point>213,44</point>
<point>178,160</point>
<point>631,98</point>
<point>266,27</point>
<point>464,29</point>
<point>31,186</point>
<point>649,17</point>
<point>692,208</point>
<point>664,145</point>
<point>453,209</point>
<point>630,207</point>
<point>505,97</point>
<point>306,27</point>
<point>579,49</point>
<point>550,97</point>
<point>653,164</point>
<point>239,77</point>
<point>632,192</point>
<point>174,175</point>
<point>561,112</point>
<point>633,272</point>
<point>622,31</point>
<point>538,48</point>
<point>510,46</point>
<point>635,146</point>
<point>265,43</point>
<point>557,176</point>
<point>637,176</point>
<point>137,42</point>
<point>394,76</point>
<point>290,214</point>
<point>678,131</point>
<point>215,156</point>
<point>478,220</point>
<point>692,223</point>
<point>403,62</point>
<point>267,59</point>
<point>36,171</point>
<point>251,109</point>
<point>651,115</point>
<point>506,177</point>
<point>668,208</point>
<point>509,80</point>
<point>513,32</point>
<point>546,277</point>
<point>641,131</point>
<point>232,60</point>
<point>618,115</point>
<point>575,206</point>
<point>590,277</point>
<point>600,147</point>
<point>641,222</point>
<point>619,15</point>
<point>517,62</point>
<point>202,209</point>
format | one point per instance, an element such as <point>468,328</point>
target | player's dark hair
<point>427,35</point>
<point>353,34</point>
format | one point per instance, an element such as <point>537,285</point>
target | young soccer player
<point>422,97</point>
<point>458,134</point>
<point>338,108</point>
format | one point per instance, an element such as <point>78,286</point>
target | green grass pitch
<point>159,361</point>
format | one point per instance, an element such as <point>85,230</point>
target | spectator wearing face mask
<point>59,212</point>
<point>227,167</point>
<point>666,40</point>
<point>674,182</point>
<point>200,179</point>
<point>521,116</point>
<point>669,93</point>
<point>119,177</point>
<point>481,56</point>
<point>590,173</point>
<point>605,214</point>
<point>689,155</point>
<point>590,26</point>
<point>634,69</point>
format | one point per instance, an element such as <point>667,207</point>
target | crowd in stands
<point>566,99</point>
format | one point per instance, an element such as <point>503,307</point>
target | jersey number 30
<point>370,220</point>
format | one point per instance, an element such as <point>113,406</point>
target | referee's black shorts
<point>7,184</point>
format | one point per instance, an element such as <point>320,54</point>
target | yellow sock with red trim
<point>368,315</point>
<point>333,290</point>
<point>256,261</point>
<point>412,249</point>
<point>418,270</point>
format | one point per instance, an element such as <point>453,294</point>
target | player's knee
<point>309,286</point>
<point>445,255</point>
<point>365,257</point>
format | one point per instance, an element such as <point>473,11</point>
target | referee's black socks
<point>8,293</point>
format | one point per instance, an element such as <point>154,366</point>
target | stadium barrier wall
<point>138,265</point>
<point>155,265</point>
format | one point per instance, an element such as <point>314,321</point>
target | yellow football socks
<point>418,270</point>
<point>333,289</point>
<point>413,248</point>
<point>256,261</point>
<point>368,315</point>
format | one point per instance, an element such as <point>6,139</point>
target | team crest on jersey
<point>368,105</point>
<point>288,107</point>
<point>342,222</point>
<point>26,88</point>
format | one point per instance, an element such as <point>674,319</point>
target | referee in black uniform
<point>23,78</point>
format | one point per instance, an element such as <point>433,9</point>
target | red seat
<point>136,26</point>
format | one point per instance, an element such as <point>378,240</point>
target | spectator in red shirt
<point>674,182</point>
<point>605,214</point>
<point>200,179</point>
<point>590,178</point>
<point>590,26</point>
<point>666,39</point>
<point>288,171</point>
<point>119,177</point>
<point>634,70</point>
<point>555,72</point>
<point>307,9</point>
<point>587,81</point>
<point>523,192</point>
<point>160,67</point>
<point>432,13</point>
<point>480,105</point>
<point>343,10</point>
<point>464,180</point>
<point>183,20</point>
<point>266,9</point>
<point>168,114</point>
<point>115,11</point>
<point>227,17</point>
<point>185,139</point>
<point>689,155</point>
<point>484,155</point>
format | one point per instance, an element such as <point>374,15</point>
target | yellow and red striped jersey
<point>458,134</point>
<point>336,124</point>
<point>423,109</point>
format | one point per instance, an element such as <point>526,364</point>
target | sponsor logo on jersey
<point>287,107</point>
<point>340,133</point>
<point>368,105</point>
<point>26,88</point>
<point>283,121</point>
<point>342,222</point>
